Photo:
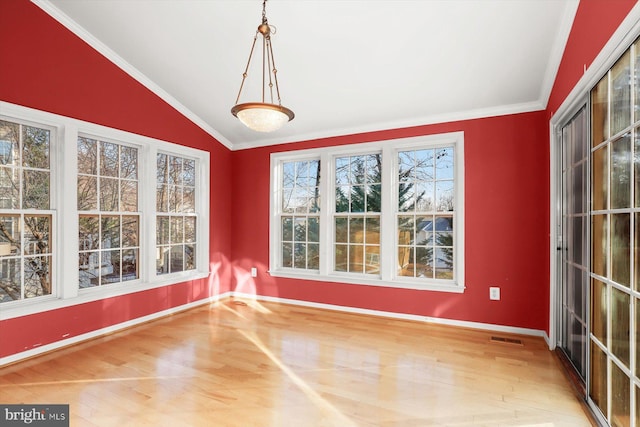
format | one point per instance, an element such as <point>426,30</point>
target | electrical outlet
<point>494,293</point>
<point>254,272</point>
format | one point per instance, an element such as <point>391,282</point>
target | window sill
<point>15,309</point>
<point>366,280</point>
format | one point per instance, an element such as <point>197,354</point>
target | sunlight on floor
<point>318,400</point>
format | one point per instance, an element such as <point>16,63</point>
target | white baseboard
<point>114,328</point>
<point>109,329</point>
<point>403,316</point>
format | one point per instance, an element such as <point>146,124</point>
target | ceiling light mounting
<point>263,116</point>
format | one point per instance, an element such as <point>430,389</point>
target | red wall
<point>46,67</point>
<point>507,181</point>
<point>593,26</point>
<point>507,227</point>
<point>506,206</point>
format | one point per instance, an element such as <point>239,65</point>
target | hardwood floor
<point>266,364</point>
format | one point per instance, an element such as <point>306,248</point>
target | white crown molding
<point>480,113</point>
<point>105,51</point>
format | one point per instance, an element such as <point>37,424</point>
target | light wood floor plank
<point>266,364</point>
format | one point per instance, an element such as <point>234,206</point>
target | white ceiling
<point>344,66</point>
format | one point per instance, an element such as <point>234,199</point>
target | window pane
<point>189,257</point>
<point>87,193</point>
<point>356,258</point>
<point>37,234</point>
<point>300,229</point>
<point>342,230</point>
<point>162,198</point>
<point>636,248</point>
<point>621,94</point>
<point>444,263</point>
<point>35,186</point>
<point>313,256</point>
<point>10,184</point>
<point>110,232</point>
<point>341,256</point>
<point>356,230</point>
<point>444,163</point>
<point>372,259</point>
<point>108,159</point>
<point>599,112</point>
<point>89,233</point>
<point>35,147</point>
<point>636,163</point>
<point>161,169</point>
<point>621,172</point>
<point>130,231</point>
<point>372,226</point>
<point>175,170</point>
<point>108,194</point>
<point>177,230</point>
<point>620,248</point>
<point>300,255</point>
<point>9,139</point>
<point>444,196</point>
<point>177,258</point>
<point>189,200</point>
<point>287,255</point>
<point>406,261</point>
<point>129,196</point>
<point>162,259</point>
<point>10,279</point>
<point>314,229</point>
<point>599,245</point>
<point>406,225</point>
<point>87,156</point>
<point>598,384</point>
<point>620,397</point>
<point>407,197</point>
<point>128,163</point>
<point>189,172</point>
<point>620,318</point>
<point>190,229</point>
<point>9,236</point>
<point>599,303</point>
<point>424,262</point>
<point>110,267</point>
<point>37,276</point>
<point>162,230</point>
<point>287,229</point>
<point>637,311</point>
<point>129,264</point>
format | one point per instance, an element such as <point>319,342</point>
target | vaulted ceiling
<point>344,66</point>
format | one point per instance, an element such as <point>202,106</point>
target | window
<point>389,213</point>
<point>26,218</point>
<point>109,225</point>
<point>299,214</point>
<point>175,220</point>
<point>117,214</point>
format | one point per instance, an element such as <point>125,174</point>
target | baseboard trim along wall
<point>134,322</point>
<point>402,316</point>
<point>36,351</point>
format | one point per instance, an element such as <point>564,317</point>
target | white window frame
<point>64,169</point>
<point>388,228</point>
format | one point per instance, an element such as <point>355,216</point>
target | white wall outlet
<point>494,293</point>
<point>254,272</point>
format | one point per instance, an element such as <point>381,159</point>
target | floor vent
<point>504,340</point>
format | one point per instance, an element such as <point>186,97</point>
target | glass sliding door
<point>573,251</point>
<point>613,376</point>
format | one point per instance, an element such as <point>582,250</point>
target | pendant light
<point>263,116</point>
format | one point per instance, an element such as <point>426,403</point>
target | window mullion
<point>327,201</point>
<point>66,206</point>
<point>387,215</point>
<point>147,209</point>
